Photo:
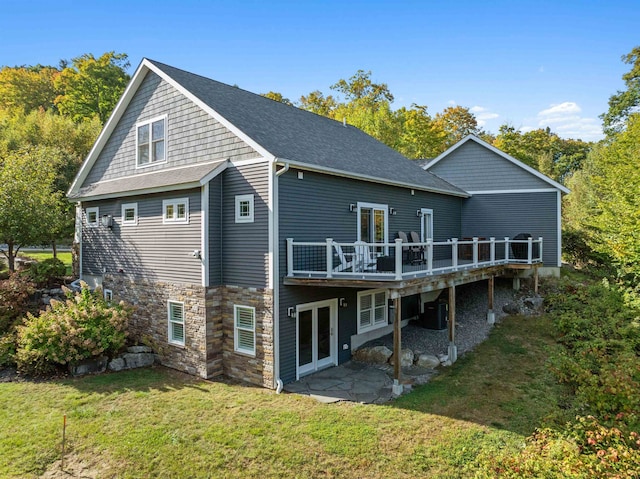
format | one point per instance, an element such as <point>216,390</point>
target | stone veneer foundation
<point>209,327</point>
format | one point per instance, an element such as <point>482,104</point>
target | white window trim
<point>374,326</point>
<point>166,150</point>
<point>92,209</point>
<point>108,295</point>
<point>170,323</point>
<point>424,212</point>
<point>239,200</point>
<point>127,206</point>
<point>236,346</point>
<point>375,206</point>
<point>175,203</point>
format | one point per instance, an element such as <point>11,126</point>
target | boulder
<point>534,303</point>
<point>139,349</point>
<point>427,361</point>
<point>375,354</point>
<point>117,364</point>
<point>88,366</point>
<point>511,308</point>
<point>406,358</point>
<point>138,360</point>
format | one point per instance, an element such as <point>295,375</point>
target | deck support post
<point>453,349</point>
<point>536,279</point>
<point>397,388</point>
<point>516,283</point>
<point>491,316</point>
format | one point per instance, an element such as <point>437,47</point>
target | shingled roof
<point>287,133</point>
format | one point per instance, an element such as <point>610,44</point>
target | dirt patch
<point>74,467</point>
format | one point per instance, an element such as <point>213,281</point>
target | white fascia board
<point>145,191</point>
<point>109,126</point>
<point>501,153</point>
<point>506,192</point>
<point>252,161</point>
<point>373,179</point>
<point>216,171</point>
<point>206,108</point>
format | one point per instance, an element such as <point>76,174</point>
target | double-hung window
<point>175,210</point>
<point>151,141</point>
<point>130,214</point>
<point>244,318</point>
<point>176,322</point>
<point>372,309</point>
<point>93,217</point>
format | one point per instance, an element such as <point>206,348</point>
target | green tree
<point>626,102</point>
<point>29,88</point>
<point>604,204</point>
<point>456,122</point>
<point>92,86</point>
<point>274,95</point>
<point>29,202</point>
<point>421,136</point>
<point>316,102</point>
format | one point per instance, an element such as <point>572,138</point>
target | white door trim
<point>332,304</point>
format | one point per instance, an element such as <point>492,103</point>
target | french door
<point>317,336</point>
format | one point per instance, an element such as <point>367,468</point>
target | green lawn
<point>160,423</point>
<point>64,256</point>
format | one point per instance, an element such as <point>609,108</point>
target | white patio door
<point>317,338</point>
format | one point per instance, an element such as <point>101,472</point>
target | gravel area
<point>471,321</point>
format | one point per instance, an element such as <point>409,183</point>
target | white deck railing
<point>397,261</point>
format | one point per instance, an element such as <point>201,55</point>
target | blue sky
<point>529,64</point>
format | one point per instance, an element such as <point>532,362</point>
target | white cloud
<point>483,114</point>
<point>565,120</point>
<point>452,102</point>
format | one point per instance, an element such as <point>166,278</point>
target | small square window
<point>108,295</point>
<point>372,309</point>
<point>244,209</point>
<point>175,211</point>
<point>151,142</point>
<point>245,329</point>
<point>93,217</point>
<point>130,214</point>
<point>176,322</point>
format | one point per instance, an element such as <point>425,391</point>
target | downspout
<point>276,282</point>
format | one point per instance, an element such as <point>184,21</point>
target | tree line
<point>50,117</point>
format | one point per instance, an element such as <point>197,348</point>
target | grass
<point>64,256</point>
<point>161,423</point>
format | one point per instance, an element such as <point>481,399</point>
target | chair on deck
<point>364,259</point>
<point>345,263</point>
<point>417,252</point>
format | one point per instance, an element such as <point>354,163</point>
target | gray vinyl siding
<point>215,231</point>
<point>245,246</point>
<point>316,208</point>
<point>473,167</point>
<point>150,250</point>
<point>508,214</point>
<point>192,135</point>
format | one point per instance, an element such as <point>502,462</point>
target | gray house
<point>264,242</point>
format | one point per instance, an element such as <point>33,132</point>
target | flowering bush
<point>14,300</point>
<point>83,326</point>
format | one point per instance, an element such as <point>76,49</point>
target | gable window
<point>93,217</point>
<point>130,214</point>
<point>175,211</point>
<point>176,322</point>
<point>373,224</point>
<point>244,208</point>
<point>372,309</point>
<point>151,141</point>
<point>245,329</point>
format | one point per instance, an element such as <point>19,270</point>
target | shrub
<point>14,300</point>
<point>7,349</point>
<point>47,271</point>
<point>83,326</point>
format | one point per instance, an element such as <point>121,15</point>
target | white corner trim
<point>274,266</point>
<point>204,224</point>
<point>559,230</point>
